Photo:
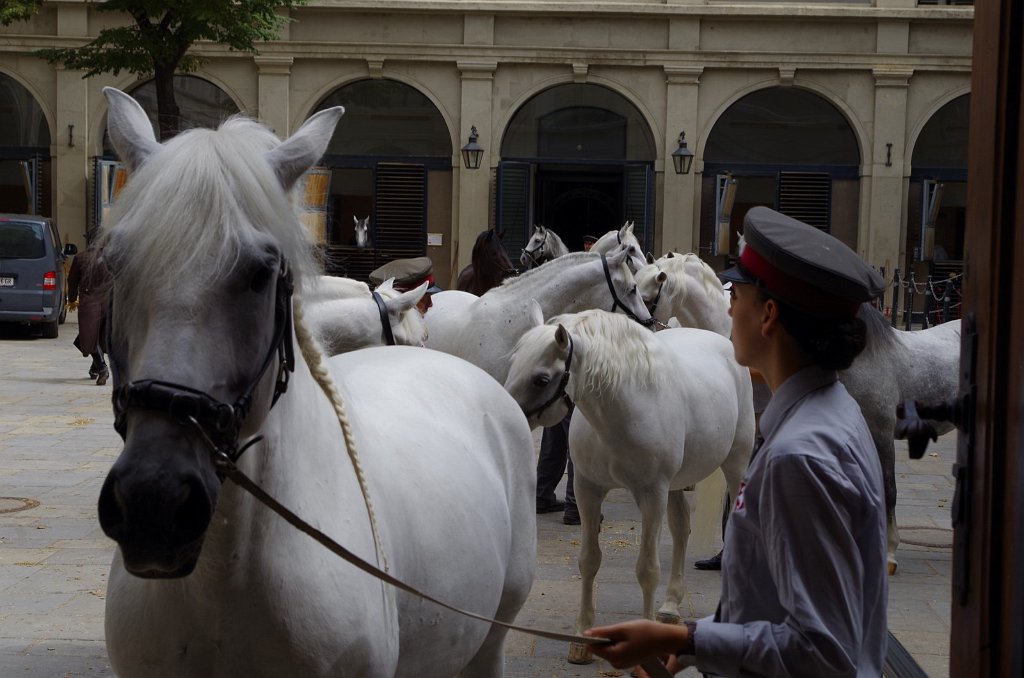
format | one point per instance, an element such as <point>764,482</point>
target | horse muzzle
<point>157,506</point>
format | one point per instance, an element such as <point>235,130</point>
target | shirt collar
<point>791,392</point>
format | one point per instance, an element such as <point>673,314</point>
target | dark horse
<point>490,265</point>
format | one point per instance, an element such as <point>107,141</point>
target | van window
<point>21,241</point>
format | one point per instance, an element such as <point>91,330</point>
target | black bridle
<point>657,297</point>
<point>539,248</point>
<point>616,302</point>
<point>560,393</point>
<point>219,422</point>
<point>385,321</point>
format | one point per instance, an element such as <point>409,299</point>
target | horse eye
<point>541,380</point>
<point>260,278</point>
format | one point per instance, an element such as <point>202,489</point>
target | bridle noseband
<point>385,321</point>
<point>616,302</point>
<point>560,393</point>
<point>539,248</point>
<point>218,422</point>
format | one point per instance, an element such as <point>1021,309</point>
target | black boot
<point>101,376</point>
<point>712,563</point>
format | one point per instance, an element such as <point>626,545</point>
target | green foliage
<point>17,10</point>
<point>160,34</point>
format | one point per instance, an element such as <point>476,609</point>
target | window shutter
<point>806,196</point>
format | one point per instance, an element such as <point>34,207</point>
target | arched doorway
<point>786,148</point>
<point>579,159</point>
<point>24,151</point>
<point>390,159</point>
<point>201,104</point>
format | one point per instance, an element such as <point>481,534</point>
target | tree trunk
<point>168,115</point>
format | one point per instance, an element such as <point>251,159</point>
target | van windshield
<point>19,240</point>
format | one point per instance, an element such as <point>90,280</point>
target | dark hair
<point>831,343</point>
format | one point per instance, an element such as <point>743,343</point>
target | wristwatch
<point>690,646</point>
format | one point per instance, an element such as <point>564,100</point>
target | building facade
<point>849,115</point>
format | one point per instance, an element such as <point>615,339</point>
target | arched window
<point>390,159</point>
<point>786,148</point>
<point>578,158</point>
<point>24,151</point>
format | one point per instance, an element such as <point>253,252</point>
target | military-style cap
<point>408,274</point>
<point>802,265</point>
<point>590,239</point>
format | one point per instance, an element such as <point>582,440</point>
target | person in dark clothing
<point>88,281</point>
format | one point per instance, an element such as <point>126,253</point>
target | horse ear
<point>618,256</point>
<point>406,300</point>
<point>536,314</point>
<point>130,129</point>
<point>354,220</point>
<point>304,149</point>
<point>662,276</point>
<point>388,284</point>
<point>650,258</point>
<point>562,338</point>
<point>669,255</point>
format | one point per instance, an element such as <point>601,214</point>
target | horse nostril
<point>111,508</point>
<point>194,510</point>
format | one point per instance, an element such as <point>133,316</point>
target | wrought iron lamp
<point>682,157</point>
<point>472,153</point>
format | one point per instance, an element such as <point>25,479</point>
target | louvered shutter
<point>514,206</point>
<point>806,196</point>
<point>639,182</point>
<point>400,211</point>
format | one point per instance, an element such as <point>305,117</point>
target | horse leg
<point>652,503</point>
<point>679,526</point>
<point>588,500</point>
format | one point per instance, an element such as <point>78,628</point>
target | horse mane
<point>208,189</point>
<point>879,332</point>
<point>618,351</point>
<point>549,267</point>
<point>683,265</point>
<point>490,264</point>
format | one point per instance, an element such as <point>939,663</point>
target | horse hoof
<point>580,653</point>
<point>892,567</point>
<point>668,618</point>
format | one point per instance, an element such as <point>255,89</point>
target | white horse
<point>485,331</point>
<point>362,228</point>
<point>204,245</point>
<point>623,236</point>
<point>655,412</point>
<point>543,246</point>
<point>896,365</point>
<point>685,288</point>
<point>382,317</point>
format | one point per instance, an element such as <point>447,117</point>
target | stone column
<point>681,224</point>
<point>274,85</point>
<point>69,140</point>
<point>882,223</point>
<point>473,185</point>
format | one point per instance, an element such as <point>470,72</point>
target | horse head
<point>205,248</point>
<point>624,238</point>
<point>362,229</point>
<point>407,324</point>
<point>539,372</point>
<point>535,253</point>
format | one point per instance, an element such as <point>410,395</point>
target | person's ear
<point>769,317</point>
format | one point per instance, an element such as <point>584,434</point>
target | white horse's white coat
<point>485,331</point>
<point>348,323</point>
<point>623,236</point>
<point>452,494</point>
<point>686,289</point>
<point>654,414</point>
<point>543,246</point>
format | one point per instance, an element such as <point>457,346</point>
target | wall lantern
<point>472,153</point>
<point>682,157</point>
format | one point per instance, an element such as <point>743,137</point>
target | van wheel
<point>50,329</point>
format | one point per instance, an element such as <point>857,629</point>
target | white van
<point>32,285</point>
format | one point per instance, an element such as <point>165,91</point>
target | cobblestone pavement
<point>57,442</point>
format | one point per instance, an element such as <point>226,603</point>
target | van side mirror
<point>70,250</point>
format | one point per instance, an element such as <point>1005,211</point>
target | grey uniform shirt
<point>804,583</point>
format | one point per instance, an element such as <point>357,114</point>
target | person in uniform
<point>409,274</point>
<point>804,583</point>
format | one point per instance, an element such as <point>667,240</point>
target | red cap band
<point>794,291</point>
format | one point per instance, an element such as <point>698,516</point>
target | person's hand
<point>635,641</point>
